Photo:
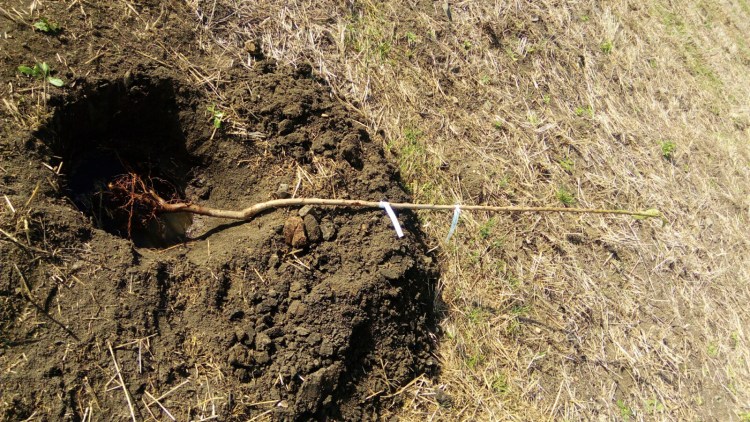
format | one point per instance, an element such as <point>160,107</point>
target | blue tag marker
<point>454,223</point>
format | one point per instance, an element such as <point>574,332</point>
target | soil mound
<point>201,317</point>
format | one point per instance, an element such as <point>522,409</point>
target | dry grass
<point>532,103</point>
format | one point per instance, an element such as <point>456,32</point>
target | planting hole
<point>119,128</point>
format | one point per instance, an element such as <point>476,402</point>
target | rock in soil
<point>294,232</point>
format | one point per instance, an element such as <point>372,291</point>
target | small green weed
<point>565,196</point>
<point>512,280</point>
<point>498,124</point>
<point>511,54</point>
<point>41,71</point>
<point>667,149</point>
<point>584,111</point>
<point>520,310</point>
<point>533,118</point>
<point>625,412</point>
<point>47,26</point>
<point>474,360</point>
<point>412,134</point>
<point>412,153</point>
<point>426,191</point>
<point>654,406</point>
<point>500,384</point>
<point>412,38</point>
<point>514,327</point>
<point>217,116</point>
<point>547,99</point>
<point>485,230</point>
<point>567,164</point>
<point>476,315</point>
<point>744,416</point>
<point>606,46</point>
<point>384,50</point>
<point>514,324</point>
<point>712,349</point>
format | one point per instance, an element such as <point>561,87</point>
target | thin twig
<point>10,205</point>
<point>26,287</point>
<point>154,400</point>
<point>11,17</point>
<point>33,193</point>
<point>260,415</point>
<point>149,410</point>
<point>404,388</point>
<point>18,243</point>
<point>171,390</point>
<point>122,382</point>
<point>27,294</point>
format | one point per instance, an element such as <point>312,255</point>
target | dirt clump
<point>297,314</point>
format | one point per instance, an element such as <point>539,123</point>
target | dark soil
<point>212,318</point>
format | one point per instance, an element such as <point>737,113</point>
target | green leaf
<point>217,116</point>
<point>42,25</point>
<point>46,26</point>
<point>55,81</point>
<point>649,213</point>
<point>44,67</point>
<point>26,70</point>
